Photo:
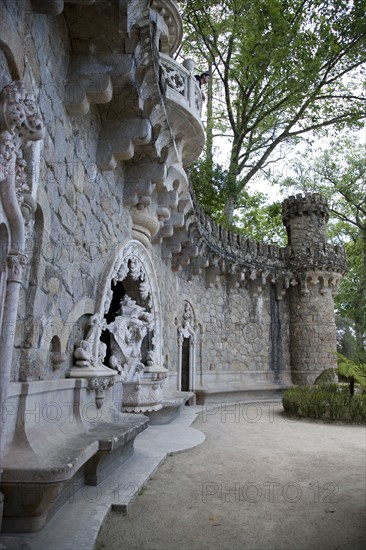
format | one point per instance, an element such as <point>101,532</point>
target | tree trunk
<point>209,127</point>
<point>229,209</point>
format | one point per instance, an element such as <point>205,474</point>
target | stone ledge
<point>240,393</point>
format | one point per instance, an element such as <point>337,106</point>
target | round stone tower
<point>316,269</point>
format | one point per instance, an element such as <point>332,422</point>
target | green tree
<point>351,371</point>
<point>339,173</point>
<point>283,69</point>
<point>253,217</point>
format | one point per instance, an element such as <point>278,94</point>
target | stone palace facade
<point>118,295</point>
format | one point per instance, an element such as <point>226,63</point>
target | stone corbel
<point>80,93</point>
<point>255,287</point>
<point>333,283</point>
<point>184,257</point>
<point>280,288</point>
<point>117,140</point>
<point>55,7</point>
<point>304,285</point>
<point>196,267</point>
<point>143,178</point>
<point>16,263</point>
<point>212,276</point>
<point>233,281</point>
<point>175,221</point>
<point>175,244</point>
<point>95,79</point>
<point>138,193</point>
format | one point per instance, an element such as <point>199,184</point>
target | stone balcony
<point>183,104</point>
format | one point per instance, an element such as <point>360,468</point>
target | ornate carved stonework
<point>142,396</point>
<point>187,328</point>
<point>142,383</point>
<point>128,330</point>
<point>20,122</point>
<point>16,262</point>
<point>89,355</point>
<point>99,385</point>
<point>20,117</point>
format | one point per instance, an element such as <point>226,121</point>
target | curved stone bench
<point>48,461</point>
<point>171,404</point>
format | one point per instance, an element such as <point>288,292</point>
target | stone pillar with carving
<point>20,122</point>
<point>316,269</point>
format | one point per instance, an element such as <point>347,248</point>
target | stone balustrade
<point>183,103</point>
<point>178,79</point>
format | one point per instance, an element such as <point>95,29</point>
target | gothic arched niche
<point>187,348</point>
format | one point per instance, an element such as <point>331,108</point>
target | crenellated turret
<point>316,268</point>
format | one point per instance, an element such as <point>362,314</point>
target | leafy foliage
<point>330,402</point>
<point>339,173</point>
<point>347,369</point>
<point>282,69</point>
<point>253,217</point>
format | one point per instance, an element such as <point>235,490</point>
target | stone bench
<point>172,402</point>
<point>240,393</point>
<point>48,461</point>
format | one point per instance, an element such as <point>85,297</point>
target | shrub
<point>326,401</point>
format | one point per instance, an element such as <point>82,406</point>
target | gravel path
<point>259,481</point>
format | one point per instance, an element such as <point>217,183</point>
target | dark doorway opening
<point>185,364</point>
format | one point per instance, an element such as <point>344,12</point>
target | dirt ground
<point>259,481</point>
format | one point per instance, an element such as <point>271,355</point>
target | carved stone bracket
<point>19,117</point>
<point>118,139</point>
<point>323,281</point>
<point>16,263</point>
<point>99,386</point>
<point>96,79</point>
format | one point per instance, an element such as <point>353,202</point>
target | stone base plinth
<point>143,395</point>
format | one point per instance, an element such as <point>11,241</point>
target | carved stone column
<point>20,122</point>
<point>317,268</point>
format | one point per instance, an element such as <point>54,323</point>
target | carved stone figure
<point>128,330</point>
<point>84,350</point>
